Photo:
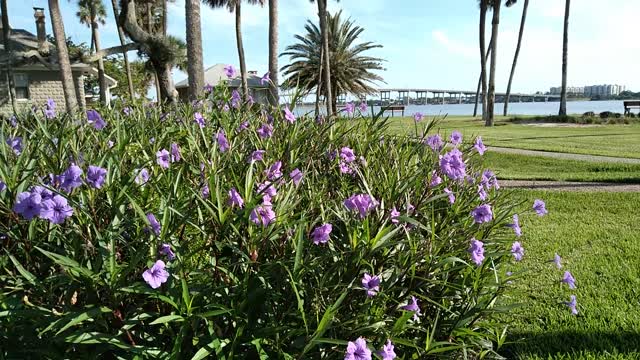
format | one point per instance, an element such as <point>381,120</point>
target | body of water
<point>515,108</point>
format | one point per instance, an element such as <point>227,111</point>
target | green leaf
<point>167,318</point>
<point>216,345</point>
<point>25,274</point>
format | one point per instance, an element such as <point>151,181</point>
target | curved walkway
<point>570,186</point>
<point>568,156</point>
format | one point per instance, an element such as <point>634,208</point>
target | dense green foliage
<point>238,289</point>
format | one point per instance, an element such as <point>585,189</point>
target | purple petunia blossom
<point>476,249</point>
<point>516,225</point>
<point>452,165</point>
<point>13,121</point>
<point>435,179</point>
<point>349,108</point>
<point>96,176</point>
<point>163,158</point>
<point>208,88</point>
<point>50,109</point>
<point>235,199</point>
<point>265,131</point>
<point>44,193</point>
<point>489,180</point>
<point>165,249</point>
<point>456,138</point>
<point>56,210</point>
<point>175,153</point>
<point>3,186</point>
<point>288,115</point>
<point>557,260</point>
<point>265,79</point>
<point>262,215</point>
<point>28,205</point>
<point>363,107</point>
<point>479,146</point>
<point>223,143</point>
<point>15,144</point>
<point>482,193</point>
<point>517,250</point>
<point>267,189</point>
<point>236,100</point>
<point>320,235</point>
<point>127,110</point>
<point>417,117</point>
<point>94,118</point>
<point>154,224</point>
<point>413,306</point>
<point>371,284</point>
<point>110,144</point>
<point>205,191</point>
<point>156,275</point>
<point>357,350</point>
<point>540,207</point>
<point>199,119</point>
<point>257,155</point>
<point>347,154</point>
<point>70,178</point>
<point>573,305</point>
<point>274,171</point>
<point>243,126</point>
<point>452,196</point>
<point>482,214</point>
<point>435,142</point>
<point>296,176</point>
<point>569,280</point>
<point>394,215</point>
<point>345,168</point>
<point>387,352</point>
<point>363,203</point>
<point>230,71</point>
<point>141,176</point>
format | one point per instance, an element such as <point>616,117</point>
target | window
<point>22,86</point>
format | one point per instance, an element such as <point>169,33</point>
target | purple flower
<point>452,165</point>
<point>94,118</point>
<point>56,210</point>
<point>152,140</point>
<point>13,120</point>
<point>347,154</point>
<point>363,203</point>
<point>394,215</point>
<point>296,176</point>
<point>265,79</point>
<point>230,71</point>
<point>435,142</point>
<point>70,178</point>
<point>349,108</point>
<point>413,306</point>
<point>235,199</point>
<point>223,143</point>
<point>175,152</point>
<point>482,193</point>
<point>540,207</point>
<point>243,126</point>
<point>165,249</point>
<point>345,168</point>
<point>96,176</point>
<point>435,179</point>
<point>452,196</point>
<point>235,99</point>
<point>573,304</point>
<point>205,191</point>
<point>569,280</point>
<point>320,234</point>
<point>156,275</point>
<point>267,189</point>
<point>482,214</point>
<point>476,249</point>
<point>480,148</point>
<point>109,144</point>
<point>28,205</point>
<point>199,119</point>
<point>517,250</point>
<point>262,214</point>
<point>456,138</point>
<point>274,172</point>
<point>557,260</point>
<point>516,225</point>
<point>363,107</point>
<point>162,158</point>
<point>257,155</point>
<point>291,118</point>
<point>50,109</point>
<point>15,144</point>
<point>357,350</point>
<point>417,117</point>
<point>371,284</point>
<point>141,176</point>
<point>208,88</point>
<point>489,180</point>
<point>387,352</point>
<point>265,131</point>
<point>153,222</point>
<point>3,186</point>
<point>127,110</point>
<point>44,193</point>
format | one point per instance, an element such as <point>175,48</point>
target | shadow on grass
<point>560,136</point>
<point>559,343</point>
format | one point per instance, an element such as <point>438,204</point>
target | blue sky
<point>426,43</point>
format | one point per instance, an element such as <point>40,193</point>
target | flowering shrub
<point>241,232</point>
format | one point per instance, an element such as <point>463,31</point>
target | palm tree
<point>92,12</point>
<point>127,66</point>
<point>353,75</point>
<point>491,95</point>
<point>515,56</point>
<point>7,46</point>
<point>195,67</point>
<point>475,107</point>
<point>565,50</point>
<point>63,56</point>
<point>326,59</point>
<point>273,52</point>
<point>483,58</point>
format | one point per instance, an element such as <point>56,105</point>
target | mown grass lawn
<point>608,140</point>
<point>524,167</point>
<point>598,237</point>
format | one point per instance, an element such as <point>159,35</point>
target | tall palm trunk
<point>274,99</point>
<point>486,57</point>
<point>319,86</point>
<point>515,57</point>
<point>155,74</point>
<point>483,58</point>
<point>491,96</point>
<point>63,57</point>
<point>195,68</point>
<point>565,51</point>
<point>9,50</point>
<point>102,80</point>
<point>243,65</point>
<point>324,33</point>
<point>127,67</point>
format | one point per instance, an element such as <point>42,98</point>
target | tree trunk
<point>63,57</point>
<point>475,107</point>
<point>102,80</point>
<point>165,80</point>
<point>515,57</point>
<point>565,51</point>
<point>324,33</point>
<point>483,57</point>
<point>243,65</point>
<point>274,99</point>
<point>491,97</point>
<point>127,67</point>
<point>156,74</point>
<point>9,50</point>
<point>319,86</point>
<point>195,67</point>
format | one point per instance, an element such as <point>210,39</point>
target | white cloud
<point>454,46</point>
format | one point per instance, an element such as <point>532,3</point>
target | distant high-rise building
<point>591,90</point>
